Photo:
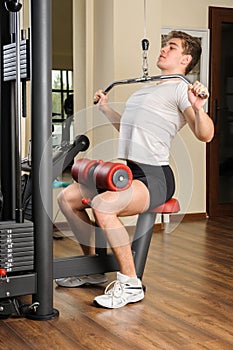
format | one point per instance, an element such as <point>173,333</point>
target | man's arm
<point>199,121</point>
<point>113,116</point>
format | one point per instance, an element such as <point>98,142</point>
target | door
<point>220,150</point>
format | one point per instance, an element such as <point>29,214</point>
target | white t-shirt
<point>152,117</point>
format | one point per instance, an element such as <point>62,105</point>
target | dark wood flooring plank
<point>9,340</point>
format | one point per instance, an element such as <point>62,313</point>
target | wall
<point>116,54</point>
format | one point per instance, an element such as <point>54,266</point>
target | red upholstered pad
<point>171,206</point>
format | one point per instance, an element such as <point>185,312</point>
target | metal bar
<point>18,115</point>
<point>102,263</point>
<point>145,79</point>
<point>41,85</point>
<point>64,156</point>
<point>18,285</point>
<point>84,265</point>
<point>6,162</point>
<point>142,239</point>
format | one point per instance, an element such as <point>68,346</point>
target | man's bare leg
<point>70,203</point>
<point>107,207</point>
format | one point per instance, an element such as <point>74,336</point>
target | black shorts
<point>158,179</point>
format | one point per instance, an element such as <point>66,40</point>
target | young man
<point>152,117</point>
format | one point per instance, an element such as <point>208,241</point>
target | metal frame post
<point>7,163</point>
<point>41,112</point>
<point>142,239</point>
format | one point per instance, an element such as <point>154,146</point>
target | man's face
<point>171,59</point>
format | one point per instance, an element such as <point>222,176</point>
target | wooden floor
<point>188,303</point>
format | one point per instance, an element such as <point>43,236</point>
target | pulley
<point>145,47</point>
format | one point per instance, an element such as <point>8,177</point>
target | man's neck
<point>170,72</point>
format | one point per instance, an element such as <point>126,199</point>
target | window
<point>62,105</point>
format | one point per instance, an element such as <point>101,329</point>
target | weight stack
<point>16,246</point>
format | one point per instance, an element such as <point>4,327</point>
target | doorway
<point>220,150</point>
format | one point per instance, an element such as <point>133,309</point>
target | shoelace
<point>116,291</point>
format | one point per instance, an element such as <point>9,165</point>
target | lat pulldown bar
<point>147,79</point>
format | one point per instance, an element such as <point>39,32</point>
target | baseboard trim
<point>188,217</point>
<point>61,226</point>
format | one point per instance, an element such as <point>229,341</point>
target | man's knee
<point>61,200</point>
<point>65,199</point>
<point>70,198</point>
<point>102,219</point>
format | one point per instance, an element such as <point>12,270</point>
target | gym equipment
<point>145,46</point>
<point>31,274</point>
<point>37,279</point>
<point>66,153</point>
<point>83,169</point>
<point>112,176</point>
<point>15,61</point>
<point>13,5</point>
<point>16,247</point>
<point>93,173</point>
<point>145,79</point>
<point>102,175</point>
<point>103,262</point>
<point>61,158</point>
<point>26,248</point>
<point>1,204</point>
<point>16,235</point>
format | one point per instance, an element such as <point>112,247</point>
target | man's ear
<point>186,59</point>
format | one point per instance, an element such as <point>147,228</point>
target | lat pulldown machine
<point>16,235</point>
<point>36,278</point>
<point>26,247</point>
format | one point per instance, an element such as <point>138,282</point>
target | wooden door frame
<point>217,15</point>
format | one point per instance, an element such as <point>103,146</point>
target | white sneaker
<point>72,282</point>
<point>124,291</point>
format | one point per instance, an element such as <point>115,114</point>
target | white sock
<point>124,278</point>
